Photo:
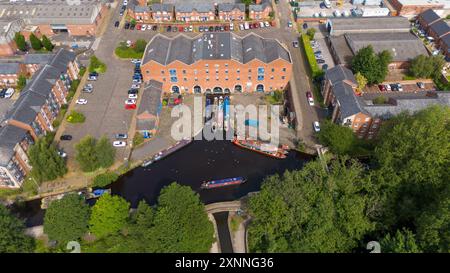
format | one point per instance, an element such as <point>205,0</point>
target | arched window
<point>197,89</point>
<point>175,89</point>
<point>260,88</point>
<point>238,88</point>
<point>218,90</point>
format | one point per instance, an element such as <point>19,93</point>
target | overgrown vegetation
<point>374,67</point>
<point>275,97</point>
<point>75,117</point>
<point>96,65</point>
<point>138,139</point>
<point>45,160</point>
<point>21,82</point>
<point>135,51</point>
<point>105,179</point>
<point>92,154</point>
<point>380,100</point>
<point>309,52</point>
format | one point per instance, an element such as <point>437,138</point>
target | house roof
<point>198,6</point>
<point>446,41</point>
<point>162,7</point>
<point>37,58</point>
<point>440,28</point>
<point>339,73</point>
<point>9,68</point>
<point>260,7</point>
<point>150,106</point>
<point>214,46</point>
<point>9,137</point>
<point>429,16</point>
<point>369,23</point>
<point>227,7</point>
<point>403,46</point>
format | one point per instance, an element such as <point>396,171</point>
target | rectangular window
<point>162,72</point>
<point>283,77</point>
<point>226,71</point>
<point>226,65</point>
<point>249,77</point>
<point>260,77</point>
<point>260,70</point>
<point>173,79</point>
<point>273,69</point>
<point>148,72</point>
<point>185,79</point>
<point>207,71</point>
<point>206,65</point>
<point>184,71</point>
<point>195,71</point>
<point>238,71</point>
<point>249,70</point>
<point>284,69</point>
<point>173,72</point>
<point>238,79</point>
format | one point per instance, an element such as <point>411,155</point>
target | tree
<point>105,179</point>
<point>361,80</point>
<point>426,66</point>
<point>340,139</point>
<point>21,82</point>
<point>311,210</point>
<point>12,234</point>
<point>47,43</point>
<point>311,32</point>
<point>105,153</point>
<point>19,39</point>
<point>181,223</point>
<point>66,219</point>
<point>411,180</point>
<point>374,67</point>
<point>109,215</point>
<point>140,45</point>
<point>96,65</point>
<point>247,2</point>
<point>86,154</point>
<point>46,162</point>
<point>35,42</point>
<point>402,242</point>
<point>92,154</point>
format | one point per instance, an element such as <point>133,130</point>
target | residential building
<point>217,62</point>
<point>9,74</point>
<point>231,12</point>
<point>438,30</point>
<point>147,118</point>
<point>8,29</point>
<point>141,13</point>
<point>32,115</point>
<point>427,18</point>
<point>195,12</point>
<point>162,12</point>
<point>411,8</point>
<point>261,10</point>
<point>444,45</point>
<point>339,26</point>
<point>32,62</point>
<point>360,113</point>
<point>403,46</point>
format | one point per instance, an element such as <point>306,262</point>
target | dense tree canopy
<point>92,154</point>
<point>340,139</point>
<point>47,163</point>
<point>67,219</point>
<point>310,210</point>
<point>19,39</point>
<point>47,43</point>
<point>374,67</point>
<point>402,242</point>
<point>412,174</point>
<point>12,236</point>
<point>426,66</point>
<point>109,215</point>
<point>36,44</point>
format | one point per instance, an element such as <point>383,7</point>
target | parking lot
<point>407,87</point>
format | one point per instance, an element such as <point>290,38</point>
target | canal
<point>199,161</point>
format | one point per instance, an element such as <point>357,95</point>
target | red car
<point>180,29</point>
<point>130,106</point>
<point>308,94</point>
<point>255,25</point>
<point>138,27</point>
<point>382,87</point>
<point>272,23</point>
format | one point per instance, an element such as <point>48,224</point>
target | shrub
<point>96,65</point>
<point>82,71</point>
<point>138,139</point>
<point>380,100</point>
<point>309,52</point>
<point>76,117</point>
<point>105,179</point>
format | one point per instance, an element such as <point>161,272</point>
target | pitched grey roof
<point>161,7</point>
<point>446,40</point>
<point>150,104</point>
<point>429,16</point>
<point>9,137</point>
<point>37,90</point>
<point>403,46</point>
<point>368,23</point>
<point>227,7</point>
<point>37,58</point>
<point>134,5</point>
<point>199,7</point>
<point>440,28</point>
<point>9,68</point>
<point>260,7</point>
<point>339,73</point>
<point>213,46</point>
<point>410,104</point>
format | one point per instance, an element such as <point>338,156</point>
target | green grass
<point>408,78</point>
<point>235,222</point>
<point>76,117</point>
<point>309,52</point>
<point>138,139</point>
<point>128,53</point>
<point>275,98</point>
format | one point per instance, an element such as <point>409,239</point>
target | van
<point>327,4</point>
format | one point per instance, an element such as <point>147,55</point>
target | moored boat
<point>262,148</point>
<point>223,182</point>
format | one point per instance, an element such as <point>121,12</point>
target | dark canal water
<point>224,233</point>
<point>193,164</point>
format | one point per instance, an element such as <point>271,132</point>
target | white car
<point>119,143</point>
<point>311,101</point>
<point>129,43</point>
<point>246,26</point>
<point>241,27</point>
<point>125,2</point>
<point>267,24</point>
<point>289,24</point>
<point>144,27</point>
<point>191,28</point>
<point>261,24</point>
<point>316,126</point>
<point>9,93</point>
<point>388,87</point>
<point>132,96</point>
<point>231,26</point>
<point>130,101</point>
<point>81,101</point>
<point>135,86</point>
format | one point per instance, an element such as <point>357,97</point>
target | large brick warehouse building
<point>217,62</point>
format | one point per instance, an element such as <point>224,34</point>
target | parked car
<point>88,88</point>
<point>399,87</point>
<point>191,28</point>
<point>133,91</point>
<point>92,78</point>
<point>295,44</point>
<point>320,61</point>
<point>132,26</point>
<point>116,24</point>
<point>241,27</point>
<point>9,92</point>
<point>222,28</point>
<point>65,137</point>
<point>135,86</point>
<point>231,27</point>
<point>127,25</point>
<point>62,154</point>
<point>118,143</point>
<point>324,67</point>
<point>2,93</point>
<point>261,24</point>
<point>130,106</point>
<point>174,29</point>
<point>318,52</point>
<point>121,136</point>
<point>132,96</point>
<point>289,24</point>
<point>393,87</point>
<point>154,28</point>
<point>81,101</point>
<point>138,27</point>
<point>388,87</point>
<point>316,126</point>
<point>121,12</point>
<point>169,29</point>
<point>130,101</point>
<point>305,26</point>
<point>311,101</point>
<point>421,85</point>
<point>200,29</point>
<point>144,27</point>
<point>266,24</point>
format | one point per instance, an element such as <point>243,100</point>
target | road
<point>105,112</point>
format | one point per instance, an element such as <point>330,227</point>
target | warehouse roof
<point>368,23</point>
<point>213,46</point>
<point>9,68</point>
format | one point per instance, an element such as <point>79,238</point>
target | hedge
<point>105,179</point>
<point>76,117</point>
<point>309,52</point>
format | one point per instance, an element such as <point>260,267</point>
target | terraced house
<point>217,62</point>
<point>32,115</point>
<point>202,12</point>
<point>231,12</point>
<point>260,10</point>
<point>362,113</point>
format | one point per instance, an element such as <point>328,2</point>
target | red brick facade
<point>414,9</point>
